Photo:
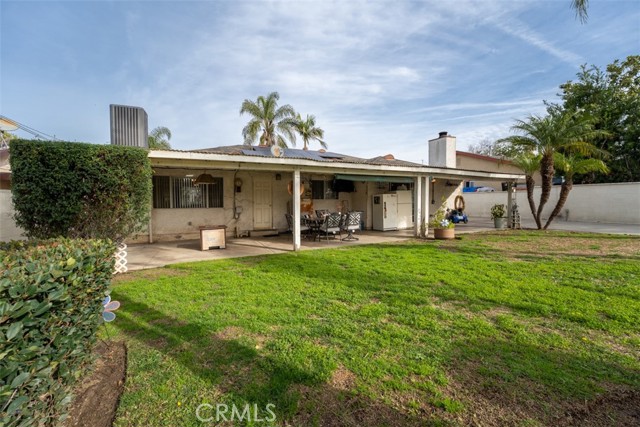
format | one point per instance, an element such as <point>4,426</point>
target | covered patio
<point>143,255</point>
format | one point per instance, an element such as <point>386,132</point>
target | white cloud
<point>380,76</point>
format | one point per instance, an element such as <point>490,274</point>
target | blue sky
<point>380,76</point>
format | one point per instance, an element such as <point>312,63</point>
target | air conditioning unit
<point>129,126</point>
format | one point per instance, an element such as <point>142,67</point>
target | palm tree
<point>570,165</point>
<point>159,138</point>
<point>529,163</point>
<point>559,130</point>
<point>269,123</point>
<point>308,131</point>
<point>581,6</point>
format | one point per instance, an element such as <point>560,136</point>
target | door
<point>262,219</point>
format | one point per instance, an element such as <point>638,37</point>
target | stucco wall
<point>607,203</point>
<point>8,228</point>
<point>182,224</point>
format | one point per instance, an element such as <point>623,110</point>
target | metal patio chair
<point>331,225</point>
<point>351,224</point>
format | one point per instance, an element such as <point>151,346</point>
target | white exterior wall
<point>8,228</point>
<point>442,151</point>
<point>184,224</point>
<point>608,203</point>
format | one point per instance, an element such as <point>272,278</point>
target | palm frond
<point>581,9</point>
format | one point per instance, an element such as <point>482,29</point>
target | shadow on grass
<point>247,376</point>
<point>519,380</point>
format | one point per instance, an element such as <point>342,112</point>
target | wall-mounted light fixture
<point>278,177</point>
<point>238,184</point>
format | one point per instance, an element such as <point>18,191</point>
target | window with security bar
<point>321,190</point>
<point>180,193</point>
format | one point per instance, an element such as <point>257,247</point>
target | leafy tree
<point>308,131</point>
<point>570,165</point>
<point>270,124</point>
<point>486,147</point>
<point>500,149</point>
<point>612,98</point>
<point>159,138</point>
<point>559,131</point>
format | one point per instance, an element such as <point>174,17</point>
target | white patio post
<point>296,210</point>
<point>417,214</point>
<point>509,202</point>
<point>425,202</point>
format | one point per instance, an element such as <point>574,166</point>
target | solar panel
<point>294,153</point>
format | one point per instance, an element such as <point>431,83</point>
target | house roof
<point>293,153</point>
<point>237,157</point>
<point>483,157</point>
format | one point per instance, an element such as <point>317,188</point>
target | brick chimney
<point>442,151</point>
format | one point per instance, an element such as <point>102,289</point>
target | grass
<point>504,328</point>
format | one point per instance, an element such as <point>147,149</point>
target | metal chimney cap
<point>443,133</point>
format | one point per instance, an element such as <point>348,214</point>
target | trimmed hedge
<point>50,308</point>
<point>80,190</point>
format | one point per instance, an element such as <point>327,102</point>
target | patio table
<point>315,224</point>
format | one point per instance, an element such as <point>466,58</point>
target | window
<point>321,190</point>
<point>179,192</point>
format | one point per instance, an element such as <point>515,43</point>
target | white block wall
<point>607,203</point>
<point>8,228</point>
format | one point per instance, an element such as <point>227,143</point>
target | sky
<point>380,76</point>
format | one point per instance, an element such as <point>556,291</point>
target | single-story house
<point>250,189</point>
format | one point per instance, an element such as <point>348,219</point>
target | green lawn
<point>500,329</point>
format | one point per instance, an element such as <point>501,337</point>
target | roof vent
<point>389,157</point>
<point>322,150</point>
<point>443,133</point>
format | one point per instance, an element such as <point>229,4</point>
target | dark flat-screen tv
<point>343,186</point>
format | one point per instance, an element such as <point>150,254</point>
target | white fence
<point>8,228</point>
<point>617,203</point>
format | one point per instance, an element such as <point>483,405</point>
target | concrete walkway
<point>141,256</point>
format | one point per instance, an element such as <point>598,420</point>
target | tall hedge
<point>50,309</point>
<point>79,190</point>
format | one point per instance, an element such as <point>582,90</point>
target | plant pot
<point>444,233</point>
<point>500,223</point>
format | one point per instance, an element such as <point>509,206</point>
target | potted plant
<point>498,216</point>
<point>443,229</point>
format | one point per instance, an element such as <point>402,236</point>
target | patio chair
<point>321,213</point>
<point>351,224</point>
<point>304,228</point>
<point>331,225</point>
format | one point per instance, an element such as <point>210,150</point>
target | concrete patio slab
<point>142,256</point>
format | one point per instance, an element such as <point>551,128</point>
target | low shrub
<point>50,308</point>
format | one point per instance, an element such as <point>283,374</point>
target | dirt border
<point>97,394</point>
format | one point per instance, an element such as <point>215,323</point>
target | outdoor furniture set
<point>327,224</point>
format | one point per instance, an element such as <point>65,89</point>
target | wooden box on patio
<point>213,237</point>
